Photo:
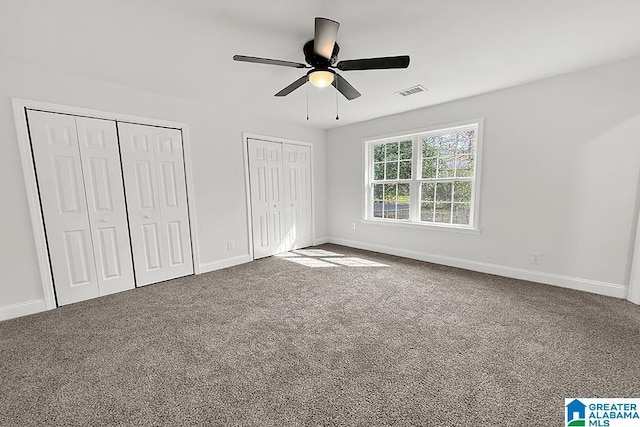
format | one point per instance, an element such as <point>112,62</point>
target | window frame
<point>417,180</point>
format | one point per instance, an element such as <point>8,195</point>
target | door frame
<point>247,184</point>
<point>35,209</point>
<point>633,290</point>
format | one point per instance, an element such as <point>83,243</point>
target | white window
<point>427,178</point>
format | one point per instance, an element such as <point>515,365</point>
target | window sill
<point>422,226</point>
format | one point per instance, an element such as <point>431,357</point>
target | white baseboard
<point>320,241</point>
<point>224,263</point>
<point>587,285</point>
<point>22,309</point>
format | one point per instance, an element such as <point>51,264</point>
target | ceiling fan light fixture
<point>321,78</point>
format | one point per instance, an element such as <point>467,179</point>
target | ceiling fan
<point>321,54</point>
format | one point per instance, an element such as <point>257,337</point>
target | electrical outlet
<point>535,258</point>
<point>231,245</point>
<point>353,225</point>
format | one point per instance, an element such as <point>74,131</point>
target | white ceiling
<point>458,48</point>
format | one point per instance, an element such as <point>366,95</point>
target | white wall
<point>560,169</point>
<point>215,130</point>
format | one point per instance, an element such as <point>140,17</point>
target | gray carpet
<point>274,342</point>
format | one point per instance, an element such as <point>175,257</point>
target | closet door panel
<point>290,166</point>
<point>141,192</point>
<point>276,199</point>
<point>267,198</point>
<point>100,156</point>
<point>297,189</point>
<point>173,200</point>
<point>259,183</point>
<point>155,188</point>
<point>304,224</point>
<point>62,195</point>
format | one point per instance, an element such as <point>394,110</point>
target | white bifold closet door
<point>297,196</point>
<point>81,192</point>
<point>265,175</point>
<point>153,165</point>
<point>280,186</point>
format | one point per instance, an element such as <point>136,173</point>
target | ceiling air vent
<point>411,90</point>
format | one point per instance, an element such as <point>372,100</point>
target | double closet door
<point>280,185</point>
<point>92,225</point>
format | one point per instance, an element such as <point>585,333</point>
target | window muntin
<point>426,178</point>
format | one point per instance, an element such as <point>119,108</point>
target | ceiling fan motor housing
<point>318,61</point>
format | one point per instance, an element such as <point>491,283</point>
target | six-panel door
<point>265,176</point>
<point>297,196</point>
<point>153,165</point>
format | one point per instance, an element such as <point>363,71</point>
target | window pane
<point>446,167</point>
<point>378,200</point>
<point>429,147</point>
<point>392,151</point>
<point>448,145</point>
<point>392,170</point>
<point>378,191</point>
<point>378,153</point>
<point>428,190</point>
<point>403,193</point>
<point>466,142</point>
<point>390,195</point>
<point>390,191</point>
<point>405,169</point>
<point>378,171</point>
<point>377,209</point>
<point>443,191</point>
<point>443,212</point>
<point>406,150</point>
<point>429,167</point>
<point>462,192</point>
<point>465,166</point>
<point>426,211</point>
<point>403,201</point>
<point>461,213</point>
<point>390,210</point>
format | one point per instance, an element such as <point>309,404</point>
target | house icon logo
<point>576,413</point>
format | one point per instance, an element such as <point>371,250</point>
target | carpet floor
<point>332,336</point>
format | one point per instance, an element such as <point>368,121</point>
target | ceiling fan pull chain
<point>307,105</point>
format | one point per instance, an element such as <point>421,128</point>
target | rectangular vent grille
<point>412,90</point>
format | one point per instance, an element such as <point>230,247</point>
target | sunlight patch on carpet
<point>309,258</point>
<point>316,252</point>
<point>355,262</point>
<point>311,262</point>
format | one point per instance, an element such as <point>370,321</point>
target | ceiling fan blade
<point>324,39</point>
<point>345,88</point>
<point>293,86</point>
<point>268,61</point>
<point>374,63</point>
